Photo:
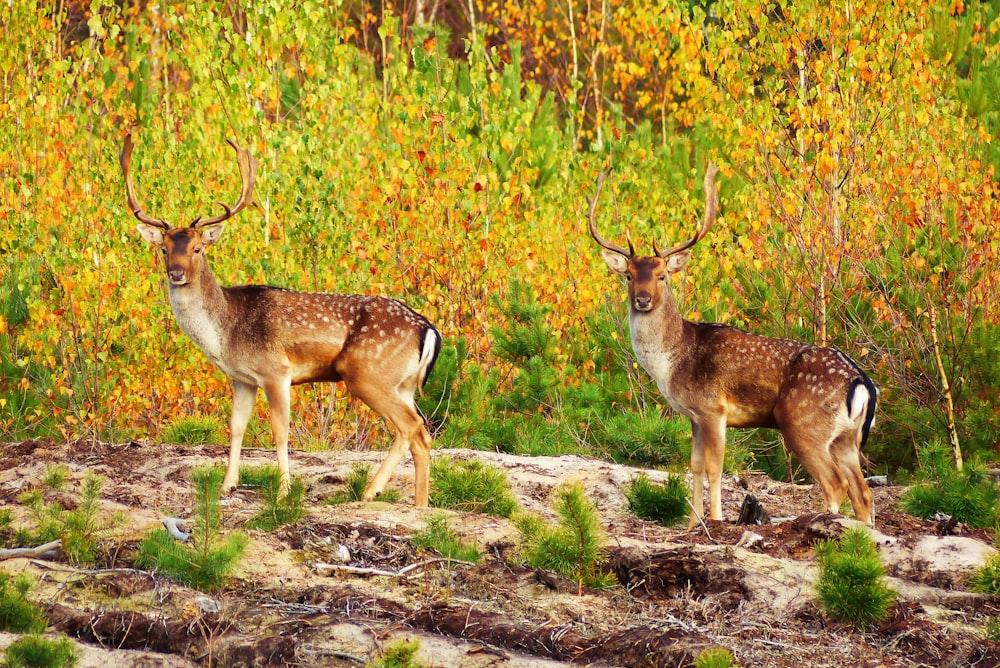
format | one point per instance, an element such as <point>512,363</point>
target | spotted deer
<point>719,376</point>
<point>271,338</point>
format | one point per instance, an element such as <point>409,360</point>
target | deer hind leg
<point>397,407</point>
<point>845,450</point>
<point>812,445</point>
<point>244,397</point>
<point>279,396</point>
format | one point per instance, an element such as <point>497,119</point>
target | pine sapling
<point>851,586</point>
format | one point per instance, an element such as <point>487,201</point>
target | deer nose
<point>176,276</point>
<point>643,302</point>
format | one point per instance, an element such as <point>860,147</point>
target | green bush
<point>574,547</point>
<point>715,657</point>
<point>970,495</point>
<point>279,510</point>
<point>398,655</point>
<point>194,430</point>
<point>207,560</point>
<point>471,486</point>
<point>663,502</point>
<point>356,483</point>
<point>76,528</point>
<point>17,613</point>
<point>850,586</point>
<point>986,579</point>
<point>34,651</point>
<point>440,537</point>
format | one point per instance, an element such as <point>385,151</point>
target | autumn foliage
<point>442,152</point>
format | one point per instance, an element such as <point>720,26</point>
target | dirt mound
<point>296,601</point>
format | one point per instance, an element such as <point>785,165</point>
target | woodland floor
<point>681,592</point>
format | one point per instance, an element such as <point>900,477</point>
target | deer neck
<point>201,310</point>
<point>656,340</point>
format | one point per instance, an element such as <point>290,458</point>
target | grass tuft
<point>662,502</point>
<point>471,486</point>
<point>440,537</point>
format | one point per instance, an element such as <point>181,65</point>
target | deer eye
<point>197,250</point>
<point>663,277</point>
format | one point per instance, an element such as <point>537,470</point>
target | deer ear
<point>677,262</point>
<point>211,234</point>
<point>150,233</point>
<point>617,261</point>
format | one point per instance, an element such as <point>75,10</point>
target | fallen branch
<point>32,552</point>
<point>402,572</point>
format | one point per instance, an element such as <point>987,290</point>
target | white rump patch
<point>860,402</point>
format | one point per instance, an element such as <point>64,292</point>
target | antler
<point>711,209</point>
<point>248,173</point>
<point>125,160</point>
<point>604,243</point>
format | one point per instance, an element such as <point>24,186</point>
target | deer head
<point>183,247</point>
<point>648,276</point>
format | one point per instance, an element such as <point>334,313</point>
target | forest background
<point>442,151</point>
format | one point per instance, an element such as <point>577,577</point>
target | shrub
<point>663,502</point>
<point>986,579</point>
<point>715,657</point>
<point>970,495</point>
<point>194,430</point>
<point>357,482</point>
<point>278,510</point>
<point>34,651</point>
<point>207,560</point>
<point>17,613</point>
<point>76,528</point>
<point>472,486</point>
<point>574,547</point>
<point>398,655</point>
<point>991,630</point>
<point>441,538</point>
<point>850,586</point>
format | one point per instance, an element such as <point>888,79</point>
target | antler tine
<point>711,209</point>
<point>125,160</point>
<point>604,243</point>
<point>248,174</point>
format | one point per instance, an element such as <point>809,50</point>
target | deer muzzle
<point>643,301</point>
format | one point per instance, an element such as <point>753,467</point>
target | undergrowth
<point>573,547</point>
<point>17,613</point>
<point>355,485</point>
<point>970,496</point>
<point>77,529</point>
<point>440,537</point>
<point>209,557</point>
<point>279,510</point>
<point>472,486</point>
<point>851,586</point>
<point>663,502</point>
<point>34,651</point>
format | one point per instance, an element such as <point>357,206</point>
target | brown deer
<point>719,376</point>
<point>272,338</point>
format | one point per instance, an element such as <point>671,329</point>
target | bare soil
<point>293,602</point>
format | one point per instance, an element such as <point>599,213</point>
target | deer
<point>270,338</point>
<point>718,376</point>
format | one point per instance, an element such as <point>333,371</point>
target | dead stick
<point>358,570</point>
<point>32,552</point>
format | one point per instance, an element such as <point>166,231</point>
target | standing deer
<point>718,376</point>
<point>272,338</point>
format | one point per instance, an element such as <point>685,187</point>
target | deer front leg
<point>244,396</point>
<point>697,477</point>
<point>279,401</point>
<point>713,438</point>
